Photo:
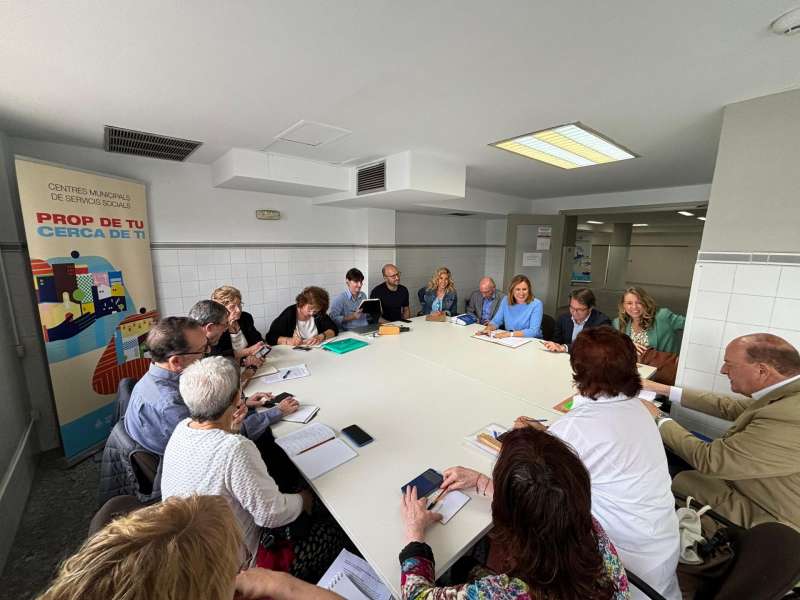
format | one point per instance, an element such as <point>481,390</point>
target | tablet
<point>371,306</point>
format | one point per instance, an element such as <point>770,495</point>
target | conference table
<point>419,395</point>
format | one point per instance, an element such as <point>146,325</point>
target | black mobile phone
<point>405,320</point>
<point>357,435</point>
<point>281,396</point>
<point>306,348</point>
<point>263,351</point>
<point>429,481</point>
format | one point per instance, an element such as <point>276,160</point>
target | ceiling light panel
<point>685,213</point>
<point>567,146</point>
<point>640,224</point>
<point>595,222</point>
<point>701,218</point>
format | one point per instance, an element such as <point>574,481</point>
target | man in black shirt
<point>393,296</point>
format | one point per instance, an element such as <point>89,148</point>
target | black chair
<point>117,506</point>
<point>637,582</point>
<point>124,390</point>
<point>548,327</point>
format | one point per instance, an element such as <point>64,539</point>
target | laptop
<point>372,310</point>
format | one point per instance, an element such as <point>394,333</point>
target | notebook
<point>287,373</point>
<point>359,574</point>
<point>345,345</point>
<point>304,414</point>
<point>263,370</point>
<point>510,342</point>
<point>450,504</point>
<point>343,586</point>
<point>315,449</point>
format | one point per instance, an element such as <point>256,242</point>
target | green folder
<point>344,346</point>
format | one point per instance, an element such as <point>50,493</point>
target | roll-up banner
<point>89,248</point>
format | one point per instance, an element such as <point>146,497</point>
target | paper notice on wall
<point>531,259</point>
<point>545,231</point>
<point>543,243</point>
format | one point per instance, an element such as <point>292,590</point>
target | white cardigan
<point>618,442</point>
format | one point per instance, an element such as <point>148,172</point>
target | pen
<point>285,375</point>
<point>536,420</point>
<point>436,498</point>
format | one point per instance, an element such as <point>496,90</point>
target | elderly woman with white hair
<point>206,455</point>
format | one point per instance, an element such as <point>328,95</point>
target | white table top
<point>418,394</point>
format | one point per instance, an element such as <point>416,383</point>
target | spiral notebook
<point>346,589</point>
<point>353,578</point>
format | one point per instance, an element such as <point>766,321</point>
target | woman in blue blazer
<point>440,294</point>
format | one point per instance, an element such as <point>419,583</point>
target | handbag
<point>666,364</point>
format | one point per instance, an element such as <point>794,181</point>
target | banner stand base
<point>68,463</point>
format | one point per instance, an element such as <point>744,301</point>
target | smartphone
<point>428,482</point>
<point>281,396</point>
<point>357,435</point>
<point>306,348</point>
<point>263,351</point>
<point>405,320</point>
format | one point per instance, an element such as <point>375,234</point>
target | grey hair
<point>208,312</point>
<point>208,386</point>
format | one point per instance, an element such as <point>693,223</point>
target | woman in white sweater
<point>618,442</point>
<point>205,455</point>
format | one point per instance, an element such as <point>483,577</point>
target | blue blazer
<point>449,302</point>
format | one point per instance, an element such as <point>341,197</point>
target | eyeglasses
<point>393,275</point>
<point>206,351</point>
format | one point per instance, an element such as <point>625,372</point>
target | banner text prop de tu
<point>92,276</point>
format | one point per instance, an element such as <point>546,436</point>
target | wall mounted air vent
<point>371,179</point>
<point>151,145</point>
<point>459,214</point>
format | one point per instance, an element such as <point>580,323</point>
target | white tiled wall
<point>269,278</point>
<point>729,300</point>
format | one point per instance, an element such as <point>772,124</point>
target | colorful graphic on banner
<point>582,260</point>
<point>92,276</point>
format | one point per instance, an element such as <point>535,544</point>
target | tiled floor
<point>54,525</point>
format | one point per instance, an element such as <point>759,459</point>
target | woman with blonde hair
<point>519,314</point>
<point>182,548</point>
<point>242,339</point>
<point>439,296</point>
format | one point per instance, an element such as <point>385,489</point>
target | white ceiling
<point>446,77</point>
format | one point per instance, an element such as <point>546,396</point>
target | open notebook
<point>351,577</point>
<point>510,342</point>
<point>315,449</point>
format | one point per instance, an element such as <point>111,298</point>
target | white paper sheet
<point>304,438</point>
<point>359,572</point>
<point>450,504</point>
<point>303,414</point>
<point>543,243</point>
<point>294,372</point>
<point>510,342</point>
<point>324,458</point>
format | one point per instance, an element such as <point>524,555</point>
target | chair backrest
<point>766,564</point>
<point>113,508</point>
<point>124,390</point>
<point>638,583</point>
<point>548,327</point>
<point>421,294</point>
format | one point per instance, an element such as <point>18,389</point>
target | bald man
<point>484,301</point>
<point>393,296</point>
<point>751,474</point>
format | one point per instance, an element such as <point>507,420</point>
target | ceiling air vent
<point>371,179</point>
<point>152,145</point>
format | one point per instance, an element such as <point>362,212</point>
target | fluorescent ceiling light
<point>640,224</point>
<point>685,213</point>
<point>566,146</point>
<point>701,218</point>
<point>595,222</point>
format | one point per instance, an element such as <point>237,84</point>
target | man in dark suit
<point>582,315</point>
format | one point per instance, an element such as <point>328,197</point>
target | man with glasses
<point>393,296</point>
<point>582,315</point>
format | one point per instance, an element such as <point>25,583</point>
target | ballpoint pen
<point>436,497</point>
<point>285,375</point>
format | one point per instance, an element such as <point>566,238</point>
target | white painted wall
<point>415,228</point>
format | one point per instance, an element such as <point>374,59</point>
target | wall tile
<point>786,314</point>
<point>705,331</point>
<point>281,268</point>
<point>734,330</point>
<point>186,257</point>
<point>789,285</point>
<point>204,257</point>
<point>254,297</point>
<point>281,254</point>
<point>711,305</point>
<point>165,257</point>
<point>267,269</point>
<point>703,358</point>
<point>206,286</point>
<point>761,280</point>
<point>237,255</point>
<point>238,269</point>
<point>267,255</point>
<point>222,256</point>
<point>252,255</point>
<point>168,274</point>
<point>750,310</point>
<point>171,307</point>
<point>715,277</point>
<point>188,273</point>
<point>222,273</point>
<point>697,380</point>
<point>189,288</point>
<point>253,270</point>
<point>168,291</point>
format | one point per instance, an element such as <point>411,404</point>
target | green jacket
<point>662,333</point>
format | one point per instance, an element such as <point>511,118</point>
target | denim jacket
<point>449,302</point>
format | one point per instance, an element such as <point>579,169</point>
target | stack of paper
<point>510,341</point>
<point>359,575</point>
<point>315,449</point>
<point>485,439</point>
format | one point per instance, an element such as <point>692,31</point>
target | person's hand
<point>553,347</point>
<point>521,422</point>
<point>654,411</point>
<point>355,315</point>
<point>251,350</point>
<point>416,516</point>
<point>258,399</point>
<point>256,583</point>
<point>253,361</point>
<point>293,341</point>
<point>288,405</point>
<point>238,417</point>
<point>234,314</point>
<point>315,340</point>
<point>658,388</point>
<point>308,500</point>
<point>459,478</point>
<point>503,334</point>
<point>640,349</point>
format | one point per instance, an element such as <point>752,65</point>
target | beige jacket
<point>751,474</point>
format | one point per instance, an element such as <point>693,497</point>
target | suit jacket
<point>564,326</point>
<point>285,323</point>
<point>751,474</point>
<point>475,304</point>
